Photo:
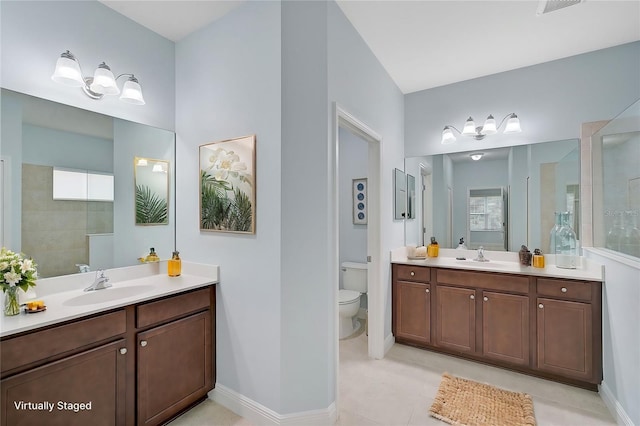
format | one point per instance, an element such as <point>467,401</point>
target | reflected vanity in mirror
<point>39,136</point>
<point>399,195</point>
<point>502,200</point>
<point>152,191</point>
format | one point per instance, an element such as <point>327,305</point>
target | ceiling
<point>425,43</point>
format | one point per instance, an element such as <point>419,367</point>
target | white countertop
<point>505,262</point>
<point>60,293</point>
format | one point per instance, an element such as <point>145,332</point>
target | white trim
<point>259,414</point>
<point>614,406</point>
<point>614,255</point>
<point>389,342</point>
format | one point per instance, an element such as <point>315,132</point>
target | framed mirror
<point>535,181</point>
<point>65,235</point>
<point>151,178</point>
<point>399,195</point>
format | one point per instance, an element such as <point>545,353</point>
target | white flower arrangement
<point>16,271</point>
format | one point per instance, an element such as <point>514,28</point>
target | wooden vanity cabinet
<point>542,326</point>
<point>78,362</point>
<point>411,320</point>
<point>569,330</point>
<point>174,359</point>
<point>142,364</point>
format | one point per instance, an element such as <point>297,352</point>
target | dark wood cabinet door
<point>565,342</point>
<point>413,311</point>
<point>456,318</point>
<point>505,327</point>
<point>174,365</point>
<point>95,377</point>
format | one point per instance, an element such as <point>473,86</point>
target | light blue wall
<point>551,99</point>
<point>33,34</point>
<point>228,85</point>
<point>57,148</point>
<point>11,154</point>
<point>359,83</point>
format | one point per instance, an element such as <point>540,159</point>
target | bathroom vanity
<point>143,360</point>
<point>544,322</point>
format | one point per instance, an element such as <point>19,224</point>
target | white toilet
<point>354,281</point>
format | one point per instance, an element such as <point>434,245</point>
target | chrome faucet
<point>101,282</point>
<point>83,267</point>
<point>480,257</point>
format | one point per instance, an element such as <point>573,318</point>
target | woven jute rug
<point>465,402</point>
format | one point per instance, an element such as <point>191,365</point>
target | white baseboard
<point>259,414</point>
<point>389,342</point>
<point>614,406</point>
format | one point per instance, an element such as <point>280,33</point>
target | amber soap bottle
<point>174,265</point>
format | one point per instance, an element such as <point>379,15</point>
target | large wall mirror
<point>496,198</point>
<point>62,232</point>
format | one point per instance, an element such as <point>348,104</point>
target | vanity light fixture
<point>478,133</point>
<point>69,73</point>
<point>476,156</point>
<point>158,168</point>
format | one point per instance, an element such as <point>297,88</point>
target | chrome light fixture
<point>478,133</point>
<point>103,82</point>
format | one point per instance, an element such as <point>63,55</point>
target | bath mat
<point>465,402</point>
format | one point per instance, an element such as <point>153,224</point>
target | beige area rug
<point>465,402</point>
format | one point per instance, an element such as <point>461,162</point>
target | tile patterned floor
<point>399,389</point>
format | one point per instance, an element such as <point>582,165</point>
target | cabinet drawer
<point>40,345</point>
<point>412,273</point>
<point>565,289</point>
<point>173,307</point>
<point>485,280</point>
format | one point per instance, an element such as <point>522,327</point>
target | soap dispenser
<point>174,265</point>
<point>152,257</point>
<point>433,248</point>
<point>461,245</point>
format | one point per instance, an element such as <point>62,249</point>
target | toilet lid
<point>347,296</point>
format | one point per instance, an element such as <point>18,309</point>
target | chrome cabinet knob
<point>412,273</point>
<point>143,343</point>
<point>472,297</point>
<point>123,351</point>
<point>563,289</point>
<point>486,299</point>
<point>541,306</point>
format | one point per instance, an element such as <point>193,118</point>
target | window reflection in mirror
<point>411,197</point>
<point>616,184</point>
<point>539,179</point>
<point>152,191</point>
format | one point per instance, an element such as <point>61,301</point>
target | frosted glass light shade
<point>132,92</point>
<point>476,156</point>
<point>103,81</point>
<point>489,127</point>
<point>67,71</point>
<point>157,168</point>
<point>447,136</point>
<point>469,128</point>
<point>513,125</point>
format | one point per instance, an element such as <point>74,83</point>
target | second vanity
<point>138,355</point>
<point>545,322</point>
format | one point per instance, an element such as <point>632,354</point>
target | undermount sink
<point>107,295</point>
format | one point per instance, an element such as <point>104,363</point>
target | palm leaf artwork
<point>221,212</point>
<point>150,208</point>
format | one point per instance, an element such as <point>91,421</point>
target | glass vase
<point>554,232</point>
<point>566,244</point>
<point>11,304</point>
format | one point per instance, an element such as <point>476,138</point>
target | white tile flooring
<point>399,389</point>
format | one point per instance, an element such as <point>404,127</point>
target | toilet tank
<point>354,276</point>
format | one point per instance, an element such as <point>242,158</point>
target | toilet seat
<point>347,296</point>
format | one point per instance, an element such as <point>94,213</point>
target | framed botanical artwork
<point>151,178</point>
<point>228,185</point>
<point>360,201</point>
